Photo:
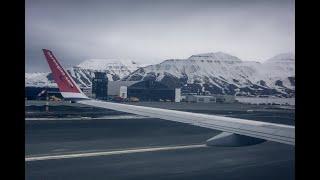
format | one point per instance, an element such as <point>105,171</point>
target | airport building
<point>210,99</point>
<point>225,98</point>
<point>100,86</point>
<point>151,90</point>
<point>200,98</point>
<point>143,90</point>
<point>119,88</point>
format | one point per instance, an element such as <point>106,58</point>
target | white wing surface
<point>262,130</point>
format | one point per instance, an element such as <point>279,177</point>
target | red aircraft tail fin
<point>66,84</point>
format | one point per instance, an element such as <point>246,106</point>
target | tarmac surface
<point>95,147</point>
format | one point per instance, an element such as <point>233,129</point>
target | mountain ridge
<point>206,73</point>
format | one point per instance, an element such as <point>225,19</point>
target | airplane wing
<point>235,131</point>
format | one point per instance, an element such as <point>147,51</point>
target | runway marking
<point>88,118</point>
<point>108,153</point>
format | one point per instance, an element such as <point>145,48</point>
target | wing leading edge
<point>261,130</point>
<point>234,129</point>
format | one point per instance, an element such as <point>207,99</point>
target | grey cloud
<point>151,31</point>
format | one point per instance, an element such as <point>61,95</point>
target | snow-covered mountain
<point>38,80</point>
<point>202,73</point>
<point>226,74</point>
<point>83,73</point>
<point>121,67</point>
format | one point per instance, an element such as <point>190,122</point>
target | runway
<point>144,148</point>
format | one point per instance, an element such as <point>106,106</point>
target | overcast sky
<point>150,31</point>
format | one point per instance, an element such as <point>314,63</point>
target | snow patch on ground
<point>257,100</point>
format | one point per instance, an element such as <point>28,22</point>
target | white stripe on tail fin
<point>68,88</point>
